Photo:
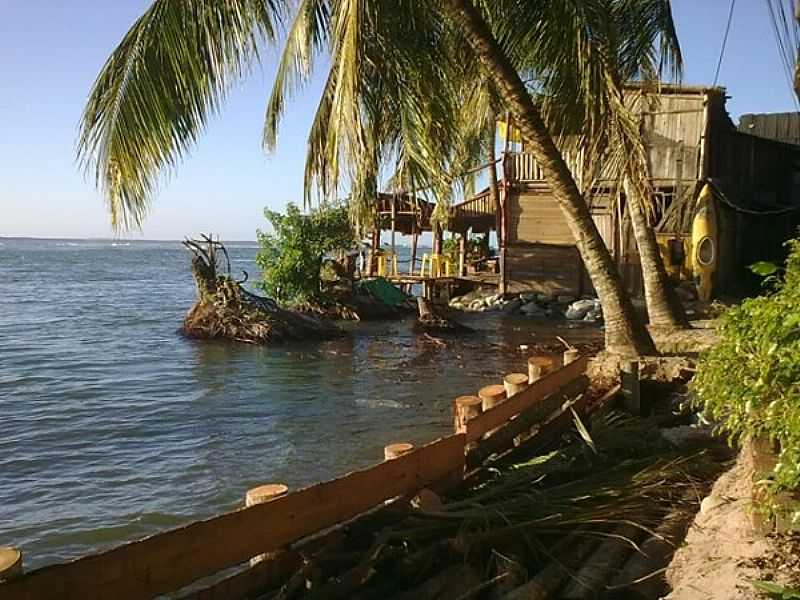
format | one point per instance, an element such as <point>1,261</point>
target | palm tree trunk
<point>494,188</point>
<point>625,333</point>
<point>664,308</point>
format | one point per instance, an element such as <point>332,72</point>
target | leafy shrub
<point>291,257</point>
<point>750,381</point>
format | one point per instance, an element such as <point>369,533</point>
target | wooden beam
<point>535,393</point>
<point>169,561</point>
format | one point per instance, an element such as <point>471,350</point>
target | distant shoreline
<point>104,239</point>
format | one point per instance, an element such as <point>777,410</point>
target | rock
<point>545,298</point>
<point>512,306</point>
<point>533,310</point>
<point>527,297</point>
<point>565,299</point>
<point>579,309</point>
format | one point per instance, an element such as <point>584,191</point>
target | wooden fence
<point>170,561</point>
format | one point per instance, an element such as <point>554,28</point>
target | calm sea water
<point>113,427</point>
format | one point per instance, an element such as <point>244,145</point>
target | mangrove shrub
<point>749,383</point>
<point>292,255</point>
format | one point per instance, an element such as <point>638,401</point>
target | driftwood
<point>226,310</point>
<point>429,321</point>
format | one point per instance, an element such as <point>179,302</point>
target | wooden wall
<point>673,131</point>
<point>534,216</point>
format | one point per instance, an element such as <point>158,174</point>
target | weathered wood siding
<point>783,127</point>
<point>544,268</point>
<point>673,131</point>
<point>534,216</point>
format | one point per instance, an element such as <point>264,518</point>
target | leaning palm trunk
<point>494,187</point>
<point>624,331</point>
<point>664,308</point>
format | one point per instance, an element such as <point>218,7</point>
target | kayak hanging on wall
<point>705,243</point>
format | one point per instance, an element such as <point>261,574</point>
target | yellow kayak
<point>705,243</point>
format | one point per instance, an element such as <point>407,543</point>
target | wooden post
<point>491,395</point>
<point>10,563</point>
<point>394,227</point>
<point>631,389</point>
<point>413,261</point>
<point>462,254</point>
<point>570,356</point>
<point>373,251</point>
<point>464,409</point>
<point>396,450</point>
<point>514,383</point>
<point>260,495</point>
<point>539,366</point>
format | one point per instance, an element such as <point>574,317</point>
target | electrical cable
<point>724,41</point>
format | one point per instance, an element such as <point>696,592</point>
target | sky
<point>51,51</point>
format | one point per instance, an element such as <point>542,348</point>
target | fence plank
<point>168,561</point>
<point>535,392</point>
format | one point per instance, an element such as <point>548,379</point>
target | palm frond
<point>157,90</point>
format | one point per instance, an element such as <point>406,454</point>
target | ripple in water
<point>114,427</point>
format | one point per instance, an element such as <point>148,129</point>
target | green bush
<point>291,256</point>
<point>750,381</point>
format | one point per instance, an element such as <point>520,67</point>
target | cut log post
<point>10,563</point>
<point>260,495</point>
<point>539,366</point>
<point>570,356</point>
<point>397,450</point>
<point>631,388</point>
<point>491,395</point>
<point>514,383</point>
<point>465,409</point>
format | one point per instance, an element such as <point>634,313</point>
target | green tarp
<point>384,291</point>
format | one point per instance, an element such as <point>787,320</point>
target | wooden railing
<point>172,560</point>
<point>524,168</point>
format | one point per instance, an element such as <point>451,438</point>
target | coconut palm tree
<point>394,89</point>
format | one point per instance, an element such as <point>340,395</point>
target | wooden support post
<point>539,366</point>
<point>631,389</point>
<point>465,408</point>
<point>373,251</point>
<point>462,254</point>
<point>10,563</point>
<point>397,450</point>
<point>413,261</point>
<point>394,228</point>
<point>514,383</point>
<point>260,495</point>
<point>491,395</point>
<point>570,356</point>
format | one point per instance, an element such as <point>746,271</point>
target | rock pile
<point>529,304</point>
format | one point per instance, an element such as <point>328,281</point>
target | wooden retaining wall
<point>170,561</point>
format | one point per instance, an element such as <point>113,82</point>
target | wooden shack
<point>690,139</point>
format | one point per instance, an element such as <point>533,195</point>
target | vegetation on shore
<point>292,255</point>
<point>748,382</point>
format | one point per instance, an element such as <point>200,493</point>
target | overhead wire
<point>724,41</point>
<point>787,41</point>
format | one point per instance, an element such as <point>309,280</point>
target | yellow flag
<point>516,137</point>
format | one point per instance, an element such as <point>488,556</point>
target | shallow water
<point>113,427</point>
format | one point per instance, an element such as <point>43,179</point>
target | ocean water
<point>114,427</point>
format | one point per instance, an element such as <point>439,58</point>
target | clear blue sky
<point>51,51</point>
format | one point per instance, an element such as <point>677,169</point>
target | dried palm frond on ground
<point>564,525</point>
<point>224,309</point>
